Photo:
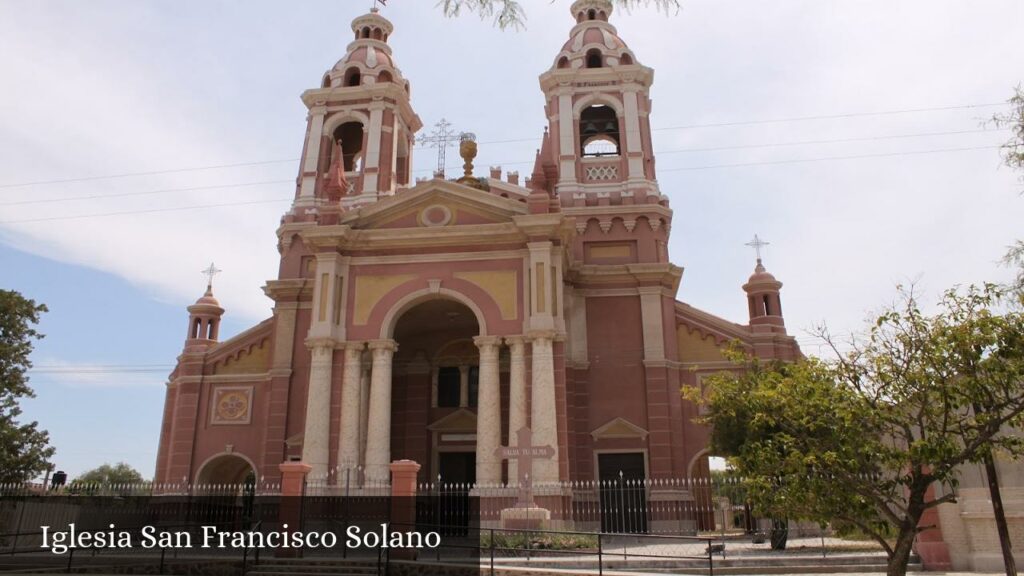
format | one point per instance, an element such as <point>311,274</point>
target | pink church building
<point>430,320</point>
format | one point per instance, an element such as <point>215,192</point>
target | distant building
<point>430,320</point>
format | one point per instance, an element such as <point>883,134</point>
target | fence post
<point>293,480</point>
<point>492,551</point>
<point>600,555</point>
<point>403,499</point>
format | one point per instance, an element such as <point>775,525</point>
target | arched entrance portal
<point>435,389</point>
<point>227,469</point>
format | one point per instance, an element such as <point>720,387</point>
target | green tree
<point>1013,156</point>
<point>120,473</point>
<point>862,438</point>
<point>510,14</point>
<point>24,448</point>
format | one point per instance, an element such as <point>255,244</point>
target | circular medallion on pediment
<point>436,215</point>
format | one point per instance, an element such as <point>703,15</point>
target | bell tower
<point>596,160</point>
<point>360,128</point>
<point>598,107</point>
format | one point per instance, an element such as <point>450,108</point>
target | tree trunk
<point>904,546</point>
<point>1009,563</point>
<point>779,534</point>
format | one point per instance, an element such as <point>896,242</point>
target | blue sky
<point>113,87</point>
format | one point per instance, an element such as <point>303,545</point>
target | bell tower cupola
<point>598,108</point>
<point>360,127</point>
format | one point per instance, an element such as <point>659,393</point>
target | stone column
<point>315,443</point>
<point>348,438</point>
<point>364,410</point>
<point>464,386</point>
<point>378,434</point>
<point>543,416</point>
<point>488,412</point>
<point>516,395</point>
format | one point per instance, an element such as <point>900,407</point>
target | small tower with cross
<point>204,316</point>
<point>763,294</point>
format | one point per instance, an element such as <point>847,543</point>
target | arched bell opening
<point>599,131</point>
<point>348,139</point>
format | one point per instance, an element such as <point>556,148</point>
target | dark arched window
<point>599,131</point>
<point>352,77</point>
<point>626,60</point>
<point>592,14</point>
<point>366,32</point>
<point>384,76</point>
<point>594,59</point>
<point>350,137</point>
<point>563,62</point>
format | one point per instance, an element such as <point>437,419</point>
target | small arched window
<point>327,81</point>
<point>366,32</point>
<point>384,76</point>
<point>377,34</point>
<point>594,59</point>
<point>767,306</point>
<point>195,328</point>
<point>626,60</point>
<point>563,62</point>
<point>352,77</point>
<point>592,14</point>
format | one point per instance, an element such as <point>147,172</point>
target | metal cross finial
<point>210,273</point>
<point>442,137</point>
<point>757,244</point>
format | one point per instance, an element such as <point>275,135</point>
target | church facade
<point>431,320</point>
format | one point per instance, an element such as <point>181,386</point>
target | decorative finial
<point>210,273</point>
<point>757,244</point>
<point>374,9</point>
<point>467,149</point>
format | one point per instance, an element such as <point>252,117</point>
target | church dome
<point>593,42</point>
<point>762,277</point>
<point>368,56</point>
<point>207,299</point>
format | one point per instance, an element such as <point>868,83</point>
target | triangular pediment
<point>461,420</point>
<point>436,204</point>
<point>619,428</point>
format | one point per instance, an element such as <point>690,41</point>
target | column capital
<point>384,344</point>
<point>314,343</point>
<point>514,341</point>
<point>352,346</point>
<point>487,341</point>
<point>534,335</point>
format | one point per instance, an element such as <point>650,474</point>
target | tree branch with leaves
<point>507,14</point>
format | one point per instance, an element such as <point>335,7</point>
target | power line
<point>680,169</point>
<point>830,116</point>
<point>530,139</point>
<point>827,158</point>
<point>147,192</point>
<point>150,173</point>
<point>830,141</point>
<point>150,211</point>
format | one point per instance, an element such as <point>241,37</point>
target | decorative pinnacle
<point>757,244</point>
<point>210,273</point>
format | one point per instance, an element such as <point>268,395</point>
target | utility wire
<point>124,194</point>
<point>687,168</point>
<point>531,139</point>
<point>662,153</point>
<point>150,211</point>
